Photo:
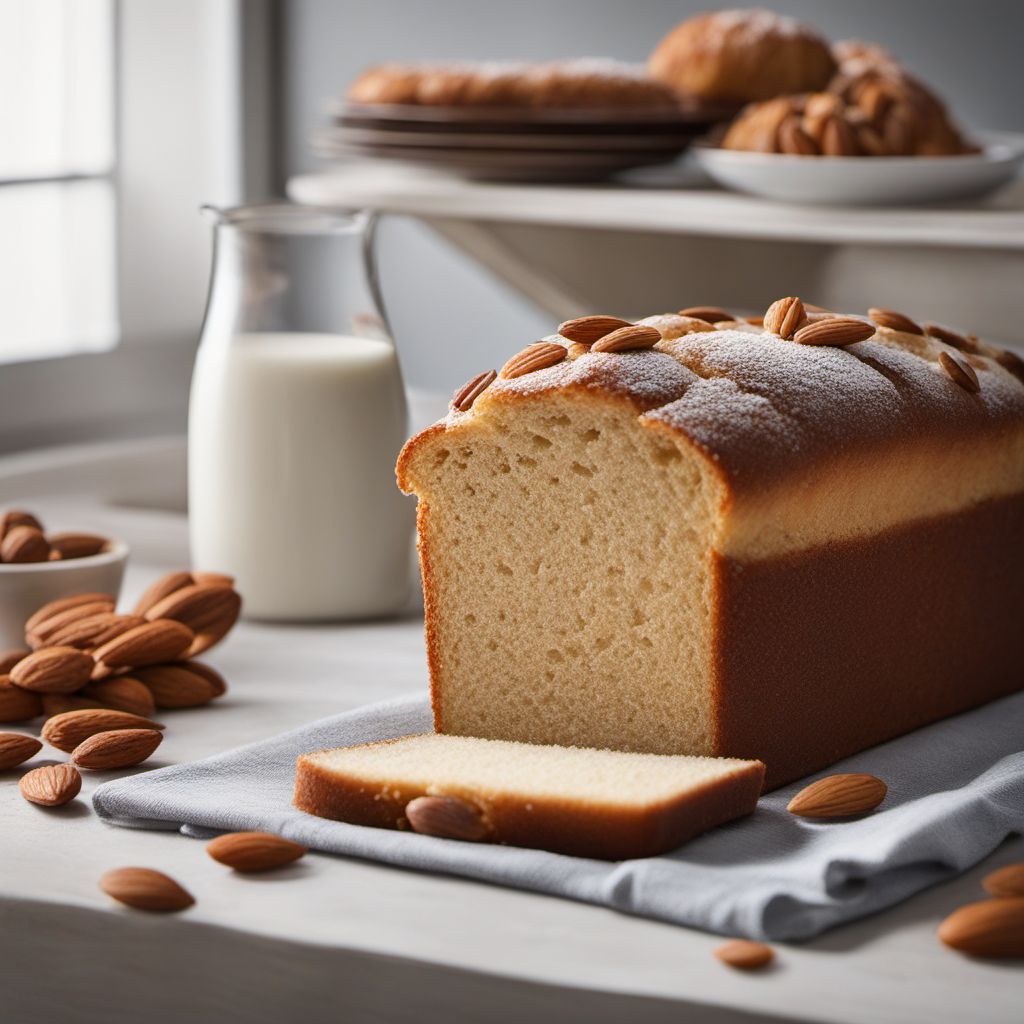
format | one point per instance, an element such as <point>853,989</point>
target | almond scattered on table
<point>745,954</point>
<point>66,731</point>
<point>119,748</point>
<point>990,928</point>
<point>145,889</point>
<point>52,785</point>
<point>1005,881</point>
<point>254,851</point>
<point>16,747</point>
<point>16,704</point>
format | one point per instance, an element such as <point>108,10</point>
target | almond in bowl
<point>38,567</point>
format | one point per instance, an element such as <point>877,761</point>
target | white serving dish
<point>27,586</point>
<point>867,181</point>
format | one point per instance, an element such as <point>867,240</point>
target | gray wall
<point>970,51</point>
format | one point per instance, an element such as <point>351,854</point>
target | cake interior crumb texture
<point>562,569</point>
<point>486,769</point>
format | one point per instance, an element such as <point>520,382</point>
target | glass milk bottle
<point>296,416</point>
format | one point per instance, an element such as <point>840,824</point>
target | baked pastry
<point>588,803</point>
<point>583,82</point>
<point>786,543</point>
<point>741,56</point>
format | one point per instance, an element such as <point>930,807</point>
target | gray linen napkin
<point>956,790</point>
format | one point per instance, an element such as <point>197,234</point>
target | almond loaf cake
<point>700,535</point>
<point>587,803</point>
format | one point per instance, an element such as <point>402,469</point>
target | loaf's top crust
<point>785,425</point>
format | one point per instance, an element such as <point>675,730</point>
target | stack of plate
<point>515,144</point>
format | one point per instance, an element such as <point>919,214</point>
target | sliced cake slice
<point>607,804</point>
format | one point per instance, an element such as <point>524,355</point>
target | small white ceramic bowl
<point>27,586</point>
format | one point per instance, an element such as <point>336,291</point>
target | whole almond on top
<point>66,731</point>
<point>992,928</point>
<point>24,544</point>
<point>145,889</point>
<point>180,685</point>
<point>122,693</point>
<point>959,371</point>
<point>43,633</point>
<point>16,704</point>
<point>835,330</point>
<point>745,954</point>
<point>52,785</point>
<point>539,356</point>
<point>16,747</point>
<point>463,399</point>
<point>148,644</point>
<point>1005,881</point>
<point>447,817</point>
<point>77,545</point>
<point>93,630</point>
<point>784,316</point>
<point>627,339</point>
<point>62,604</point>
<point>585,330</point>
<point>53,670</point>
<point>838,796</point>
<point>17,517</point>
<point>950,337</point>
<point>161,588</point>
<point>709,314</point>
<point>893,320</point>
<point>209,610</point>
<point>253,851</point>
<point>122,748</point>
<point>1009,360</point>
<point>10,658</point>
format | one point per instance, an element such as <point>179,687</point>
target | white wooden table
<point>667,238</point>
<point>332,939</point>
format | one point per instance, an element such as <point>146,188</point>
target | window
<point>58,263</point>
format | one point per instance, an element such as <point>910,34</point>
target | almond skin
<point>211,675</point>
<point>123,748</point>
<point>838,796</point>
<point>17,517</point>
<point>539,356</point>
<point>745,954</point>
<point>709,314</point>
<point>958,370</point>
<point>53,670</point>
<point>16,747</point>
<point>148,644</point>
<point>213,579</point>
<point>145,889</point>
<point>253,851</point>
<point>161,588</point>
<point>447,817</point>
<point>784,316</point>
<point>835,330</point>
<point>16,704</point>
<point>177,686</point>
<point>77,545</point>
<point>1006,881</point>
<point>950,337</point>
<point>42,635</point>
<point>94,630</point>
<point>122,693</point>
<point>72,728</point>
<point>894,321</point>
<point>463,399</point>
<point>628,339</point>
<point>24,544</point>
<point>209,610</point>
<point>62,604</point>
<point>52,785</point>
<point>61,703</point>
<point>585,330</point>
<point>990,928</point>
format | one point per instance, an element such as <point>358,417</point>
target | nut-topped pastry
<point>786,542</point>
<point>565,84</point>
<point>743,55</point>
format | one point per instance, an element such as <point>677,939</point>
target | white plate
<point>867,181</point>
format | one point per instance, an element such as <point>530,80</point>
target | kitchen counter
<point>332,939</point>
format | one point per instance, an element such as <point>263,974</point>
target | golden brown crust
<point>740,56</point>
<point>862,641</point>
<point>567,84</point>
<point>578,829</point>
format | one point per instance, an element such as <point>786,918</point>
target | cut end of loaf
<point>595,803</point>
